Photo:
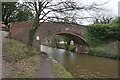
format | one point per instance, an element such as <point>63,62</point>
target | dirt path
<point>45,71</point>
<point>46,68</point>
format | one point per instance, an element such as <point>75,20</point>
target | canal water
<point>82,65</point>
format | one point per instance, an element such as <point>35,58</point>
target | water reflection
<point>81,65</point>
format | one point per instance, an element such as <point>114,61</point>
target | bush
<point>101,32</point>
<point>71,48</point>
<point>98,34</point>
<point>97,52</point>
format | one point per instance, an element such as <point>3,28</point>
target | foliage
<point>8,9</point>
<point>15,12</point>
<point>67,40</point>
<point>100,37</point>
<point>23,14</point>
<point>55,41</point>
<point>116,27</point>
<point>115,22</point>
<point>71,48</point>
<point>92,41</point>
<point>102,33</point>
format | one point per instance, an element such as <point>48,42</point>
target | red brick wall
<point>20,31</point>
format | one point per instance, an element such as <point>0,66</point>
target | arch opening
<point>75,41</point>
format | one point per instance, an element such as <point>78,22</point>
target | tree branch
<point>44,15</point>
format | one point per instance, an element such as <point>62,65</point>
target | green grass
<point>17,51</point>
<point>105,50</point>
<point>26,61</point>
<point>60,71</point>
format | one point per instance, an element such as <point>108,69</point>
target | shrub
<point>101,31</point>
<point>71,48</point>
<point>98,34</point>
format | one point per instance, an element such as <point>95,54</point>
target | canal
<point>82,65</point>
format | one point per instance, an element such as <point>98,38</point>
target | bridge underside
<point>75,38</point>
<point>81,45</point>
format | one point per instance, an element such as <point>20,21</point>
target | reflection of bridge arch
<point>76,32</point>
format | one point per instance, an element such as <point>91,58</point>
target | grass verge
<point>106,50</point>
<point>26,61</point>
<point>16,51</point>
<point>27,68</point>
<point>60,71</point>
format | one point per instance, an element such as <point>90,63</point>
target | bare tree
<point>44,10</point>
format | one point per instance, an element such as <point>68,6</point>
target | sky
<point>111,5</point>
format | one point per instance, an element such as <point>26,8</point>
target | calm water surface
<point>81,65</point>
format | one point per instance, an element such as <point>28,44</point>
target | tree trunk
<point>31,36</point>
<point>33,30</point>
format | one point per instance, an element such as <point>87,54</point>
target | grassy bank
<point>17,51</point>
<point>60,71</point>
<point>27,68</point>
<point>25,61</point>
<point>106,50</point>
<point>103,40</point>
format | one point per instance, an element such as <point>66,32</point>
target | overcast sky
<point>112,4</point>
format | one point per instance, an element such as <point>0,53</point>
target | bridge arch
<point>20,31</point>
<point>80,42</point>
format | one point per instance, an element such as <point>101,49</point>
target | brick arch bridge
<point>76,32</point>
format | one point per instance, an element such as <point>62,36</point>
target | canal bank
<point>84,66</point>
<point>27,64</point>
<point>108,50</point>
<point>50,68</point>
